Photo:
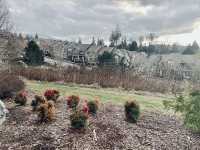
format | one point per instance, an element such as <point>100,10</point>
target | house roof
<point>77,46</point>
<point>83,47</point>
<point>105,49</point>
<point>94,48</point>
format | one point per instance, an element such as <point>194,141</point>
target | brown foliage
<point>10,85</point>
<point>104,77</point>
<point>21,98</point>
<point>46,112</point>
<point>37,102</point>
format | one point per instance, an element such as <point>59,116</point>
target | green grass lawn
<point>198,55</point>
<point>113,95</point>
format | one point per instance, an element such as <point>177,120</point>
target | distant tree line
<point>117,41</point>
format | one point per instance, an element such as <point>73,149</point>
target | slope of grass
<point>116,96</point>
<point>198,55</point>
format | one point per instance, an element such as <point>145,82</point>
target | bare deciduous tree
<point>4,17</point>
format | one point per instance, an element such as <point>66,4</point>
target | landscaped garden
<point>50,115</point>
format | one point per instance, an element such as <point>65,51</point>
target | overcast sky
<point>173,20</point>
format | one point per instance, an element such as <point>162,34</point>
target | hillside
<point>156,128</point>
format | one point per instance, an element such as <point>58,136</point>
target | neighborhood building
<point>92,54</point>
<point>75,52</point>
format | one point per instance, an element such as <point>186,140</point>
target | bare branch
<point>4,16</point>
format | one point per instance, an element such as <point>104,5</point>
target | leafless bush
<point>105,77</point>
<point>10,85</point>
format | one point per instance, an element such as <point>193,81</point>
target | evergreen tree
<point>79,41</point>
<point>191,49</point>
<point>21,37</point>
<point>123,44</point>
<point>105,58</point>
<point>36,36</point>
<point>195,45</point>
<point>115,37</point>
<point>100,42</point>
<point>141,39</point>
<point>133,46</point>
<point>33,54</point>
<point>93,41</point>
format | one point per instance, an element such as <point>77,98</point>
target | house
<point>75,52</point>
<point>92,54</point>
<point>4,38</point>
<point>4,35</point>
<point>52,48</point>
<point>121,57</point>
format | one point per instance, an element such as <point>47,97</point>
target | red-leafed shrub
<point>132,111</point>
<point>73,101</point>
<point>21,98</point>
<point>10,85</point>
<point>79,118</point>
<point>85,108</point>
<point>52,95</point>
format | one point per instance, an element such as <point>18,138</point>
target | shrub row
<point>79,112</point>
<point>104,77</point>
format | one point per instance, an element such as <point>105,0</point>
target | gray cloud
<point>86,18</point>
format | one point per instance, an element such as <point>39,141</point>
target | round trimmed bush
<point>51,95</point>
<point>21,98</point>
<point>93,107</point>
<point>73,101</point>
<point>79,119</point>
<point>132,111</point>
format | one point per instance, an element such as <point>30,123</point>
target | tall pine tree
<point>33,54</point>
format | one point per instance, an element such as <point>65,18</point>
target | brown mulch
<point>153,131</point>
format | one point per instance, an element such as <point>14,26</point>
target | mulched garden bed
<point>107,130</point>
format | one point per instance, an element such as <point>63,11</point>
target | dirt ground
<point>107,130</point>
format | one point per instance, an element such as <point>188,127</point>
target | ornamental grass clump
<point>132,111</point>
<point>21,98</point>
<point>52,95</point>
<point>73,101</point>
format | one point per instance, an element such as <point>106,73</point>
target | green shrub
<point>195,93</point>
<point>73,101</point>
<point>132,111</point>
<point>189,107</point>
<point>78,119</point>
<point>93,107</point>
